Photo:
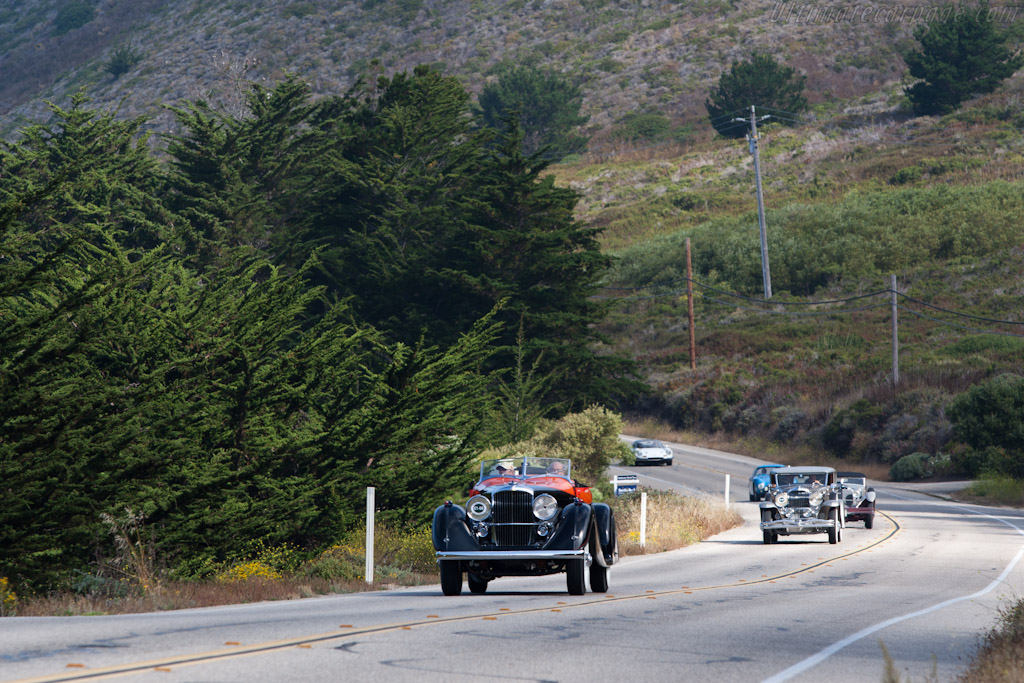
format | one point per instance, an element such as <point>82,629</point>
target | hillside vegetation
<point>935,202</point>
<point>660,55</point>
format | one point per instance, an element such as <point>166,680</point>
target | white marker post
<point>370,504</point>
<point>643,519</point>
<point>727,492</point>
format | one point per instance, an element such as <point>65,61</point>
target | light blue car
<point>760,480</point>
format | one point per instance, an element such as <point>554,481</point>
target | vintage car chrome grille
<point>512,516</point>
<point>799,500</point>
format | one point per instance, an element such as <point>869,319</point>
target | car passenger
<point>556,469</point>
<point>506,468</point>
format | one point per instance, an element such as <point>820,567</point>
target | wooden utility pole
<point>752,140</point>
<point>689,306</point>
<point>895,335</point>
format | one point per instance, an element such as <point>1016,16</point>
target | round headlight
<point>816,498</point>
<point>782,499</point>
<point>478,508</point>
<point>545,506</point>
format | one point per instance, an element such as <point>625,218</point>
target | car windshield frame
<point>526,467</point>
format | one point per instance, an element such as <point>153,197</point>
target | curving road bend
<point>926,582</point>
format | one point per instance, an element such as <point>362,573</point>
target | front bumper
<point>513,555</point>
<point>803,525</point>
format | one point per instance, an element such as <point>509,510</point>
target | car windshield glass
<point>505,467</point>
<point>812,479</point>
<point>647,444</point>
<point>526,467</point>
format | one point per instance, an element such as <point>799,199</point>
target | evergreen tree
<point>962,53</point>
<point>232,402</point>
<point>393,207</point>
<point>524,247</point>
<point>545,105</point>
<point>75,222</point>
<point>761,82</point>
<point>243,183</point>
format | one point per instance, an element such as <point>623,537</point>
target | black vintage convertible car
<point>525,517</point>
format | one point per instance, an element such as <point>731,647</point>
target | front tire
<point>451,577</point>
<point>869,521</point>
<point>476,584</point>
<point>769,536</point>
<point>575,577</point>
<point>598,578</point>
<point>834,532</point>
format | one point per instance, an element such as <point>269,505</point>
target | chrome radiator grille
<point>799,500</point>
<point>512,515</point>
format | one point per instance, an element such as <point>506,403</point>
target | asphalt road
<point>926,582</point>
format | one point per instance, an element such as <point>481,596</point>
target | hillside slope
<point>628,56</point>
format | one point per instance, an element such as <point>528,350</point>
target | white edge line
<point>821,656</point>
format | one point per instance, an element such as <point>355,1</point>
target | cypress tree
<point>962,53</point>
<point>761,82</point>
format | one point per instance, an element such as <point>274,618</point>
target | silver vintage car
<point>858,498</point>
<point>803,500</point>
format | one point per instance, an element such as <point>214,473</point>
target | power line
<point>962,327</point>
<point>824,302</point>
<point>962,315</point>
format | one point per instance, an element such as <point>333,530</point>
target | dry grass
<point>185,595</point>
<point>1001,658</point>
<point>673,521</point>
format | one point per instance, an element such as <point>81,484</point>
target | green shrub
<point>73,15</point>
<point>982,343</point>
<point>590,439</point>
<point>122,60</point>
<point>999,489</point>
<point>990,460</point>
<point>335,564</point>
<point>839,432</point>
<point>610,65</point>
<point>992,414</point>
<point>642,127</point>
<point>906,175</point>
<point>910,467</point>
<point>299,10</point>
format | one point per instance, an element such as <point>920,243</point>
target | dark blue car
<point>760,481</point>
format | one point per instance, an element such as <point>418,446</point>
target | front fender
<point>450,532</point>
<point>573,528</point>
<point>605,544</point>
